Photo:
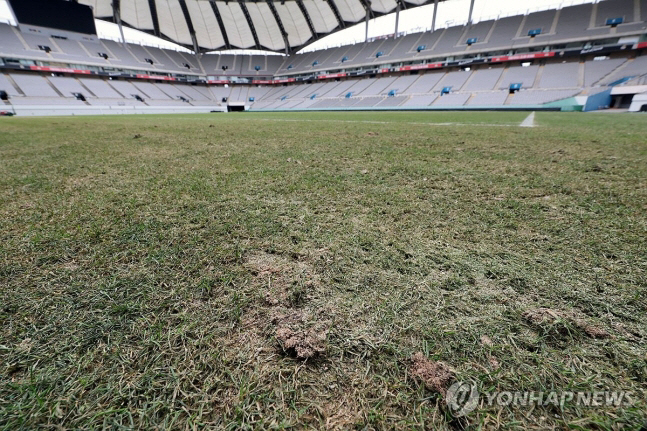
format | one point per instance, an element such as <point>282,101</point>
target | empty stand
<point>379,86</point>
<point>520,75</point>
<point>33,41</point>
<point>71,48</point>
<point>477,32</point>
<point>219,92</point>
<point>34,85</point>
<point>426,40</point>
<point>402,84</point>
<point>484,79</point>
<point>493,98</point>
<point>68,86</point>
<point>538,97</point>
<point>560,75</point>
<point>455,80</point>
<point>505,29</point>
<point>573,22</point>
<point>425,83</point>
<point>390,102</point>
<point>151,91</point>
<point>359,86</point>
<point>10,43</point>
<point>126,89</point>
<point>100,88</point>
<point>141,54</point>
<point>120,55</point>
<point>631,68</point>
<point>611,9</point>
<point>420,101</point>
<point>451,100</point>
<point>192,92</point>
<point>541,21</point>
<point>594,71</point>
<point>7,86</point>
<point>448,41</point>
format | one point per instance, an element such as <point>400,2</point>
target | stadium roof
<point>285,25</point>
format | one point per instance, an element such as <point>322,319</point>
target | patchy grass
<point>273,271</point>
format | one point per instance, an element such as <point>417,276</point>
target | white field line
<point>529,121</point>
<point>294,120</point>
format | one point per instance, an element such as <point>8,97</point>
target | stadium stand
<point>560,75</point>
<point>420,101</point>
<point>519,75</point>
<point>68,86</point>
<point>495,98</point>
<point>425,83</point>
<point>529,60</point>
<point>454,80</point>
<point>484,79</point>
<point>538,97</point>
<point>505,29</point>
<point>7,86</point>
<point>34,85</point>
<point>452,100</point>
<point>99,88</point>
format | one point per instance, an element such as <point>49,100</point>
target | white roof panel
<point>101,8</point>
<point>238,31</point>
<point>208,29</point>
<point>267,29</point>
<point>383,6</point>
<point>205,24</point>
<point>137,13</point>
<point>350,10</point>
<point>294,23</point>
<point>172,22</point>
<point>322,16</point>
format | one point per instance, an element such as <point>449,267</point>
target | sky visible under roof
<point>452,12</point>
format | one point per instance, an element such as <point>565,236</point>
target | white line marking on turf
<point>382,122</point>
<point>529,121</point>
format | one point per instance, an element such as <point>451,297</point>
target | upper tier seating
<point>511,32</point>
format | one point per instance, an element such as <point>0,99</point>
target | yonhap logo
<point>462,398</point>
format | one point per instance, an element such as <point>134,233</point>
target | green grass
<point>147,262</point>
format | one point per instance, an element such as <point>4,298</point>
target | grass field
<point>280,271</point>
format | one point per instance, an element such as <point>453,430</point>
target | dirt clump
<point>435,375</point>
<point>303,344</point>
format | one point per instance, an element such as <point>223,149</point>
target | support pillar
<point>116,16</point>
<point>397,18</point>
<point>469,17</point>
<point>366,30</point>
<point>433,20</point>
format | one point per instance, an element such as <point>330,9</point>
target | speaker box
<point>4,95</point>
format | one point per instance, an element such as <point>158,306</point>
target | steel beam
<point>221,24</point>
<point>270,3</point>
<point>156,23</point>
<point>305,13</point>
<point>335,11</point>
<point>248,17</point>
